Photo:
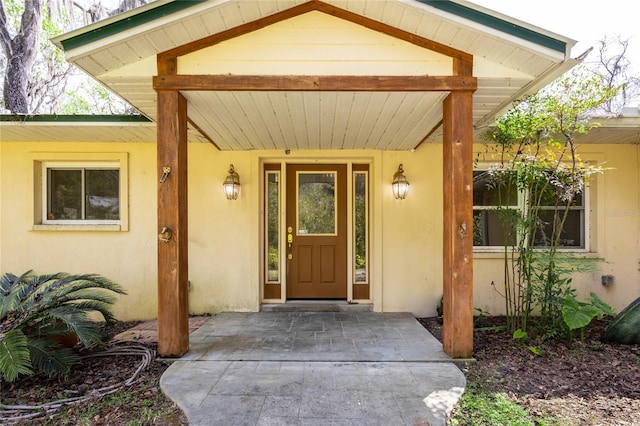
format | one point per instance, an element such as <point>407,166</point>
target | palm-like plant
<point>34,309</point>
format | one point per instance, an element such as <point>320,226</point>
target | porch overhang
<point>510,59</point>
<point>460,66</point>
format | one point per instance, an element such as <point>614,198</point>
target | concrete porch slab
<point>308,368</point>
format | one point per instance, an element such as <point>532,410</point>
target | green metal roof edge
<point>52,118</point>
<point>128,23</point>
<point>445,5</point>
<point>498,24</point>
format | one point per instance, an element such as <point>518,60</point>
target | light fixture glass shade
<point>400,185</point>
<point>232,184</point>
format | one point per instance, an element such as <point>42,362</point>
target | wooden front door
<point>316,231</point>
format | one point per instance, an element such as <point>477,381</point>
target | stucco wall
<point>412,232</point>
<point>125,257</point>
<point>224,249</point>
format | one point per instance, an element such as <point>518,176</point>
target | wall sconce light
<point>400,185</point>
<point>232,184</point>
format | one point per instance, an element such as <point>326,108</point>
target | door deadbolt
<point>289,243</point>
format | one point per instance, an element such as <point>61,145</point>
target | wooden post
<point>173,260</point>
<point>457,332</point>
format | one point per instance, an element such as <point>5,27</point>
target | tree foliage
<point>535,144</point>
<point>36,77</point>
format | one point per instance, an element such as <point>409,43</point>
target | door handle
<point>289,242</point>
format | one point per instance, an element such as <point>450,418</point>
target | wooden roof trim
<point>431,132</point>
<point>202,133</point>
<point>301,83</point>
<point>234,32</point>
<point>392,31</point>
<point>167,58</point>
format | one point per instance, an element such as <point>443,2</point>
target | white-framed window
<point>493,228</point>
<point>81,193</point>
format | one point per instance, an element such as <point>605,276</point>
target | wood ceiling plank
<point>328,105</point>
<point>413,117</point>
<point>373,111</point>
<point>359,109</point>
<point>272,129</point>
<point>212,120</point>
<point>343,108</point>
<point>255,119</point>
<point>312,119</point>
<point>295,105</point>
<point>388,113</point>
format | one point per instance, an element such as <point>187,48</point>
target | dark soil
<point>141,402</point>
<point>581,383</point>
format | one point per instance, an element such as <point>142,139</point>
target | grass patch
<point>150,410</point>
<point>480,407</point>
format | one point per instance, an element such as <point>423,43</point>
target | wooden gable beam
<point>392,31</point>
<point>306,83</point>
<point>234,32</point>
<point>167,59</point>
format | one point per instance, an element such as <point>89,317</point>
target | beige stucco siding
<point>618,225</point>
<point>125,257</point>
<point>225,236</point>
<point>412,232</point>
<point>315,44</point>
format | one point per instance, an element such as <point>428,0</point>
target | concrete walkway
<point>314,368</point>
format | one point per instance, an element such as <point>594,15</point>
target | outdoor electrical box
<point>607,280</point>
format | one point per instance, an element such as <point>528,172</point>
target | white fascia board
<point>106,42</point>
<point>534,47</point>
<point>541,81</point>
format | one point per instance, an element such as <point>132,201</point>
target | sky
<point>585,21</point>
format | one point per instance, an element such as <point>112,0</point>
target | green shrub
<point>37,310</point>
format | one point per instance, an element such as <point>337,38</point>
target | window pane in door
<point>317,206</point>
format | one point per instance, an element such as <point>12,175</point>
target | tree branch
<point>5,37</point>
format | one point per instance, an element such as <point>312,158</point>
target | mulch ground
<point>582,383</point>
<point>121,408</point>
